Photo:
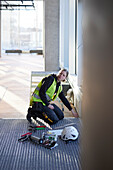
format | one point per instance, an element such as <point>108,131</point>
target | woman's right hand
<point>51,106</point>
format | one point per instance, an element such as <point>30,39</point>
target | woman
<point>48,90</point>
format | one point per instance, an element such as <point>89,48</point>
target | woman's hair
<point>63,69</point>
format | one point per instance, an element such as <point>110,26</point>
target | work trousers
<point>47,114</point>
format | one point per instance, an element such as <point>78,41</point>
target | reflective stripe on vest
<point>38,97</point>
<point>50,93</point>
<point>37,88</point>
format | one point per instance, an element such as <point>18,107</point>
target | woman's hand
<point>75,114</point>
<point>51,106</point>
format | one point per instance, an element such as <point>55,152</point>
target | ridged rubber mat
<point>31,156</point>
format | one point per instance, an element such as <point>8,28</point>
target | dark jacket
<point>46,83</point>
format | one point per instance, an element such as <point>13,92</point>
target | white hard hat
<point>69,133</point>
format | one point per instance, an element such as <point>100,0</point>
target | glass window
<point>23,29</point>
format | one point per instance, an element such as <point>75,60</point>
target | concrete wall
<point>51,35</point>
<point>97,108</point>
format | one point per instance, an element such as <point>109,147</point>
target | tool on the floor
<point>29,136</point>
<point>34,128</point>
<point>24,137</point>
<point>56,132</point>
<point>70,124</point>
<point>26,134</point>
<point>49,142</point>
<point>49,136</point>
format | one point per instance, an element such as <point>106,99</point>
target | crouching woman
<point>46,91</point>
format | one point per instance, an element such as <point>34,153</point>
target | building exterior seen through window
<point>23,29</point>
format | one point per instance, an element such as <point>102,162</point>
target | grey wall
<point>51,35</point>
<point>97,108</point>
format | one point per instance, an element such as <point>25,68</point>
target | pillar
<point>51,35</point>
<point>97,108</point>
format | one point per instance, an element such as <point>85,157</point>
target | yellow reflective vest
<point>50,93</point>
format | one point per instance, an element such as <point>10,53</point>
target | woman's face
<point>62,76</point>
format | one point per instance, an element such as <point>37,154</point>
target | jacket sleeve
<point>65,101</point>
<point>46,83</point>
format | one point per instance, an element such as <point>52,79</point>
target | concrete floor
<point>15,76</point>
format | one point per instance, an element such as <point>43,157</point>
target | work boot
<point>34,117</point>
<point>28,117</point>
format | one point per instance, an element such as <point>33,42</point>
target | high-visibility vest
<point>50,93</point>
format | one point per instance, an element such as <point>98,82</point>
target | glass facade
<point>23,29</point>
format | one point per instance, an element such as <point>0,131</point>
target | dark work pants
<point>55,115</point>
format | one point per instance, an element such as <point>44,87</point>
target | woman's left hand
<point>75,114</point>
